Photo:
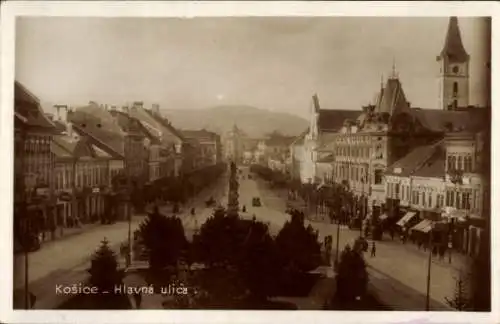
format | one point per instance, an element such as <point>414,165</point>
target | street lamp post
<point>429,262</point>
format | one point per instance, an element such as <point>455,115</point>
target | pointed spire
<point>394,74</point>
<point>453,47</point>
<point>316,103</point>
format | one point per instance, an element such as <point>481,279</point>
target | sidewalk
<point>402,263</point>
<point>64,261</point>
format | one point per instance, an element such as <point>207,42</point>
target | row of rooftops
<point>105,124</point>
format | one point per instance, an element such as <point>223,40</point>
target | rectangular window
<point>423,198</point>
<point>457,199</point>
<point>378,176</point>
<point>430,199</point>
<point>396,189</point>
<point>459,163</point>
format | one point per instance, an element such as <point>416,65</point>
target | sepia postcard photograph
<point>277,162</point>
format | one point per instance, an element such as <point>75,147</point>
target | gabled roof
<point>64,146</point>
<point>454,49</point>
<point>112,144</point>
<point>413,160</point>
<point>332,120</point>
<point>97,123</point>
<point>163,122</point>
<point>470,119</point>
<point>391,98</point>
<point>59,150</point>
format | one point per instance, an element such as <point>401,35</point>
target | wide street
<point>65,261</point>
<point>397,276</point>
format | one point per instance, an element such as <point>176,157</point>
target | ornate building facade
<point>402,159</point>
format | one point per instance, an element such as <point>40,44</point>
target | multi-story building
<point>34,198</point>
<point>103,131</point>
<point>392,154</point>
<point>172,145</point>
<point>234,142</point>
<point>81,179</point>
<point>209,145</point>
<point>274,151</point>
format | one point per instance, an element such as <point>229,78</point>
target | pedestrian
<point>374,249</point>
<point>441,253</point>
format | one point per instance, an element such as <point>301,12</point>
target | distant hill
<point>253,121</point>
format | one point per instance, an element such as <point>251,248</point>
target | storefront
<point>407,221</point>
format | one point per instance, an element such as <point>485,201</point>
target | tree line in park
<point>169,189</point>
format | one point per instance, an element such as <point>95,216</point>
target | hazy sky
<point>270,63</point>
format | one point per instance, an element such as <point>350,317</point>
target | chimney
<point>156,109</point>
<point>61,113</point>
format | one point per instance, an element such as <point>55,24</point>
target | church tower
<point>453,70</point>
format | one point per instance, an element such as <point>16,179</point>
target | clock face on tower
<point>455,69</point>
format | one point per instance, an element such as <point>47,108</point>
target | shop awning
<point>424,226</point>
<point>406,218</point>
<point>383,217</point>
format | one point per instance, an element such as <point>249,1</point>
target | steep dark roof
<point>470,119</point>
<point>97,123</point>
<point>331,120</point>
<point>62,148</point>
<point>434,167</point>
<point>22,93</point>
<point>391,98</point>
<point>453,47</point>
<point>27,106</point>
<point>413,160</point>
<point>166,124</point>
